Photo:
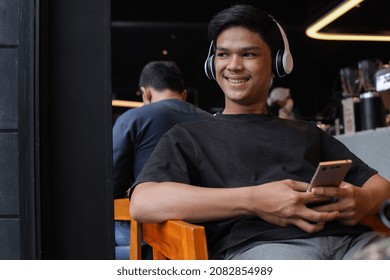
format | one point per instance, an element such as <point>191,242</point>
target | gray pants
<point>316,248</point>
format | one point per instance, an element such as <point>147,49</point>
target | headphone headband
<point>284,62</point>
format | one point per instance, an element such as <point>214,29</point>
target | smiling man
<point>243,173</point>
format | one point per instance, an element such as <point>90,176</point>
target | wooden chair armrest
<point>176,240</point>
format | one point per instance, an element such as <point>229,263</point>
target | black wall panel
<point>10,217</point>
<point>9,175</point>
<point>9,243</point>
<point>9,22</point>
<point>8,88</point>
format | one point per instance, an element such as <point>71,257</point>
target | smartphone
<point>330,173</point>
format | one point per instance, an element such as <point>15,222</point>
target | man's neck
<point>166,94</point>
<point>245,109</point>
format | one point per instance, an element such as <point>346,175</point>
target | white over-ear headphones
<point>282,64</point>
<point>209,67</point>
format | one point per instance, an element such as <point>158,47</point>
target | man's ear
<point>184,95</point>
<point>146,95</point>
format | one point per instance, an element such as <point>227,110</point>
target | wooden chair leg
<point>135,240</point>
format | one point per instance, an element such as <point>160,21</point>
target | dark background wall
<point>75,125</point>
<point>55,130</point>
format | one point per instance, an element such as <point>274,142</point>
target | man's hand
<point>284,203</point>
<point>353,203</point>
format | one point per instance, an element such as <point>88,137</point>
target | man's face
<point>243,67</point>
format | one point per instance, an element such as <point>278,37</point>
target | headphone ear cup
<point>209,67</point>
<point>278,65</point>
<point>283,63</point>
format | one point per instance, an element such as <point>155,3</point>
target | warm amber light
<point>313,30</point>
<point>126,103</point>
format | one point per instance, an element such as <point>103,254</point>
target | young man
<point>137,131</point>
<point>243,173</point>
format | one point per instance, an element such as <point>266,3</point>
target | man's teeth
<point>237,81</point>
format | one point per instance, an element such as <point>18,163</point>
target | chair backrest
<point>372,146</point>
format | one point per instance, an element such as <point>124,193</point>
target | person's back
<point>137,131</point>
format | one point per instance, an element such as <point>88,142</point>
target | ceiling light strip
<point>313,30</point>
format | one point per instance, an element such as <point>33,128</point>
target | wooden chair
<point>174,239</point>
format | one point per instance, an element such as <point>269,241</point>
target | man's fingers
<point>309,227</point>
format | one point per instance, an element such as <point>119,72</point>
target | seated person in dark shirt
<point>243,173</point>
<point>137,131</point>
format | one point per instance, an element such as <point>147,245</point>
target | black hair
<point>250,17</point>
<point>162,75</point>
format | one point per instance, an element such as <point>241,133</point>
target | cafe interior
<point>59,101</point>
<point>326,38</point>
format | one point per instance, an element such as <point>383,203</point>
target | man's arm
<point>378,190</point>
<point>282,203</point>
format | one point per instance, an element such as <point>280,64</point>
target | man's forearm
<point>158,202</point>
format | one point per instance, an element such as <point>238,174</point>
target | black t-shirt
<point>228,151</point>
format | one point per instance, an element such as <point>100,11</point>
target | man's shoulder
<point>187,106</point>
<point>132,113</point>
<point>145,110</point>
<point>201,123</point>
